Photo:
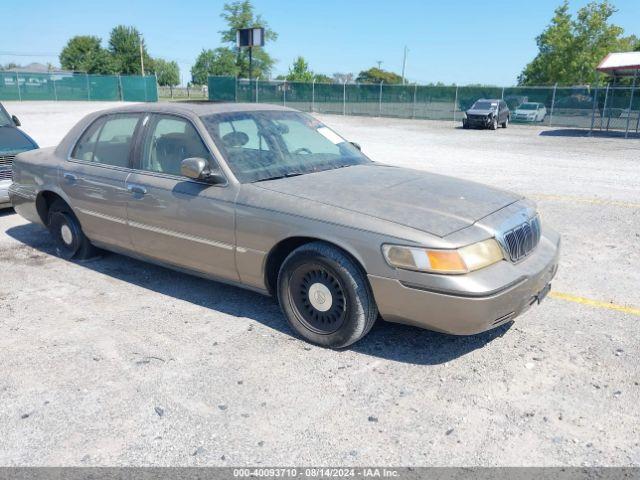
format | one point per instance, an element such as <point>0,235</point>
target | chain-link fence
<point>74,86</point>
<point>597,108</point>
<point>182,93</point>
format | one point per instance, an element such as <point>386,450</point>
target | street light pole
<point>141,54</point>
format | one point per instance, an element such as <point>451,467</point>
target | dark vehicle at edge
<point>487,113</point>
<point>12,142</point>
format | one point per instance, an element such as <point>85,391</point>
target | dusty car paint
<point>233,231</point>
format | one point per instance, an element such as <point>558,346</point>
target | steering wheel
<point>304,150</point>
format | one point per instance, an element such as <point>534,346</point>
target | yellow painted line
<point>591,201</point>
<point>595,303</point>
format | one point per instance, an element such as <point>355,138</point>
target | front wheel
<point>325,296</point>
<point>494,124</point>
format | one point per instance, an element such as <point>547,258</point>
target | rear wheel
<point>325,296</point>
<point>505,124</point>
<point>67,233</point>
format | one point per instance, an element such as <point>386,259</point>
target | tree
<point>124,46</point>
<point>84,53</point>
<point>239,14</point>
<point>167,73</point>
<point>299,71</point>
<point>322,78</point>
<point>377,75</point>
<point>570,49</point>
<point>221,61</point>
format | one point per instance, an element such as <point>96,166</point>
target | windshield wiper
<point>286,175</point>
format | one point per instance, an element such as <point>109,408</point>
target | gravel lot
<point>116,362</point>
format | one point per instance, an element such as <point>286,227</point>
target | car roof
<point>489,100</point>
<point>197,108</point>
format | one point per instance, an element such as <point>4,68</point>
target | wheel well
<point>44,201</point>
<point>281,250</point>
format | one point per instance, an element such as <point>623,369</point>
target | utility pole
<point>404,63</point>
<point>379,62</point>
<point>141,55</point>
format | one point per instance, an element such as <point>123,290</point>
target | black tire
<point>351,309</point>
<point>465,125</point>
<point>494,124</point>
<point>505,124</point>
<point>70,241</point>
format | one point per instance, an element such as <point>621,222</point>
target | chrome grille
<point>523,239</point>
<point>6,163</point>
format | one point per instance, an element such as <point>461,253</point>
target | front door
<point>174,219</point>
<point>94,178</point>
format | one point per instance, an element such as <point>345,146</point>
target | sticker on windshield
<point>330,135</point>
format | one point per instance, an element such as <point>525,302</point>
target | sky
<point>463,41</point>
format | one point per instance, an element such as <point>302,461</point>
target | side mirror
<point>357,145</point>
<point>198,169</point>
<point>15,120</point>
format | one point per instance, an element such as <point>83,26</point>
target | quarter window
<point>108,141</point>
<point>171,140</point>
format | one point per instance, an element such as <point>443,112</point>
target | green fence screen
<point>600,108</point>
<point>68,86</point>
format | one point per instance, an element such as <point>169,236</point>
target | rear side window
<point>108,141</point>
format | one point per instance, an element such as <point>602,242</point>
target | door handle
<point>70,178</point>
<point>134,188</point>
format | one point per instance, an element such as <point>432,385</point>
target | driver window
<point>169,141</point>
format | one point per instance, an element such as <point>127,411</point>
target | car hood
<point>13,141</point>
<point>436,204</point>
<point>526,112</point>
<point>473,111</point>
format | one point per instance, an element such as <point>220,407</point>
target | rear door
<point>172,218</point>
<point>94,177</point>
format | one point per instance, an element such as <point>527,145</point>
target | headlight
<point>463,260</point>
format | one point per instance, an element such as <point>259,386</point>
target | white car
<point>530,112</point>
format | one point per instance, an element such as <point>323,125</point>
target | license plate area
<point>543,293</point>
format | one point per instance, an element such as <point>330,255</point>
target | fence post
<point>121,90</point>
<point>88,87</point>
<point>633,90</point>
<point>553,103</point>
<point>344,98</point>
<point>604,107</point>
<point>455,105</point>
<point>595,105</point>
<point>55,93</point>
<point>284,94</point>
<point>313,95</point>
<point>236,92</point>
<point>257,80</point>
<point>18,85</point>
<point>380,100</point>
<point>415,94</point>
<point>502,97</point>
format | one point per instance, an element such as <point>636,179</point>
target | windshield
<point>528,106</point>
<point>5,119</point>
<point>483,105</point>
<point>262,145</point>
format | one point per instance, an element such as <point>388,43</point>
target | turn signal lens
<point>448,261</point>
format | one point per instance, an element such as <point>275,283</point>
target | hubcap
<point>320,297</point>
<point>66,234</point>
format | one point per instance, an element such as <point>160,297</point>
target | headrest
<point>235,139</point>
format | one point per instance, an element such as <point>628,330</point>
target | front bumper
<point>4,194</point>
<point>477,122</point>
<point>467,313</point>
